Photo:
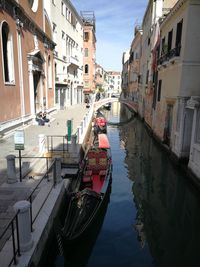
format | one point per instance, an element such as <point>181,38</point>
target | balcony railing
<point>175,52</point>
<point>73,60</point>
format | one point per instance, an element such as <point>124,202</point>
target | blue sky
<point>115,22</point>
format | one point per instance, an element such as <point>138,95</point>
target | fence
<point>11,232</point>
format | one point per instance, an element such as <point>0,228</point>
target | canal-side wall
<point>181,163</point>
<point>43,225</point>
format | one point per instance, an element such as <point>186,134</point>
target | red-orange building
<point>26,73</point>
<point>89,47</point>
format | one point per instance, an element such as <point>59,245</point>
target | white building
<point>67,28</point>
<point>114,82</point>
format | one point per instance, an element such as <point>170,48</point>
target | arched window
<point>49,73</point>
<point>8,59</point>
<point>86,69</point>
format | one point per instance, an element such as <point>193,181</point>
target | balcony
<point>73,61</point>
<point>169,56</point>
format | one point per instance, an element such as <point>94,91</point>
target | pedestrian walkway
<point>11,193</point>
<point>56,126</point>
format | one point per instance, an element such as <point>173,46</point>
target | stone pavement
<point>11,193</point>
<point>56,126</point>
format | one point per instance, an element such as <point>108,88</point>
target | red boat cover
<point>103,141</point>
<point>100,121</point>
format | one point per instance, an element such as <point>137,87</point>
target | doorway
<point>62,98</point>
<point>187,132</point>
<point>168,125</point>
<point>36,85</point>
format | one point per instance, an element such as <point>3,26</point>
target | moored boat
<point>100,124</point>
<point>86,204</point>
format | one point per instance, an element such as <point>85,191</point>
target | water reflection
<point>153,216</point>
<point>167,204</point>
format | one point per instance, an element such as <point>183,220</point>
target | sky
<point>115,23</point>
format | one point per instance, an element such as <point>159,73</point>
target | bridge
<point>102,102</point>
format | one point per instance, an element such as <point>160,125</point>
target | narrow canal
<point>152,218</point>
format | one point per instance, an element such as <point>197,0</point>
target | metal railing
<point>10,231</point>
<point>61,143</point>
<point>175,52</point>
<point>29,157</point>
<point>30,198</point>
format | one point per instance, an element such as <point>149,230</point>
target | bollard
<point>57,170</point>
<point>11,169</point>
<point>73,144</point>
<point>24,222</point>
<point>41,138</point>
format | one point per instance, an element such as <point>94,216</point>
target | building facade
<point>101,79</point>
<point>134,67</point>
<point>178,90</point>
<point>114,82</point>
<point>67,28</point>
<point>125,72</point>
<point>89,50</point>
<point>169,84</point>
<point>26,63</point>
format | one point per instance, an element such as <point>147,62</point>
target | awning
<point>103,141</point>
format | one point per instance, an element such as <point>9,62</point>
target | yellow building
<point>177,109</point>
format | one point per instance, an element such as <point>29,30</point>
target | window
<point>62,8</point>
<point>8,57</point>
<point>66,13</point>
<point>69,16</point>
<point>86,36</point>
<point>33,5</point>
<point>73,20</point>
<point>54,31</point>
<point>54,27</point>
<point>63,35</point>
<point>169,43</point>
<point>86,69</point>
<point>159,90</point>
<point>147,76</point>
<point>86,52</point>
<point>86,83</point>
<point>178,37</point>
<point>163,46</point>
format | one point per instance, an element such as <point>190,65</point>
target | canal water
<point>153,214</point>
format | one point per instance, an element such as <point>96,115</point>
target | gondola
<point>100,124</point>
<point>86,203</point>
